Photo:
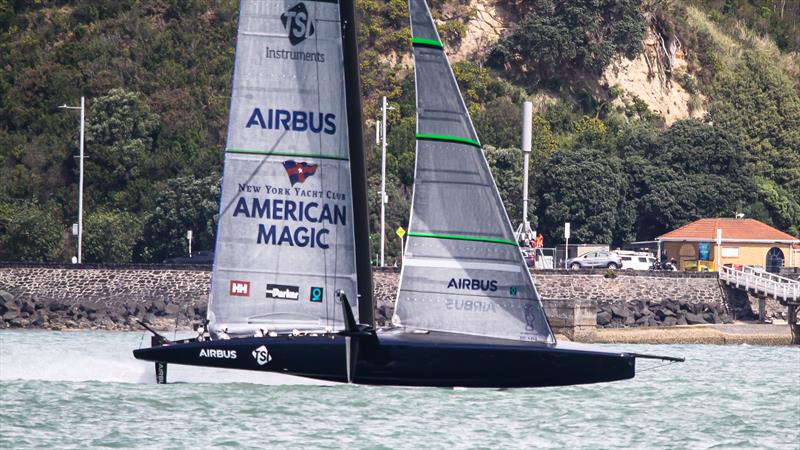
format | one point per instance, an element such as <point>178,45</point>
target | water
<point>85,390</point>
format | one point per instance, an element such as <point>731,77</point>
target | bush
<point>29,232</point>
<point>559,38</point>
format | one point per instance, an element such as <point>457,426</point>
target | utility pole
<point>80,177</point>
<point>566,244</point>
<point>381,132</point>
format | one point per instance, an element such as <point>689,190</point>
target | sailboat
<point>291,284</point>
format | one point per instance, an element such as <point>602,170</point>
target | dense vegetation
<point>157,77</point>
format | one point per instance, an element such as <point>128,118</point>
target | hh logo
<point>297,24</point>
<point>298,172</point>
<point>240,288</point>
<point>261,355</point>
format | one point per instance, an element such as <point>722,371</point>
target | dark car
<point>527,255</point>
<point>204,257</point>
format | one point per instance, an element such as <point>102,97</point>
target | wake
<point>106,356</point>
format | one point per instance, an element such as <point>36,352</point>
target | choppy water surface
<point>84,389</point>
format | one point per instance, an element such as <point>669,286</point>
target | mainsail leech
<point>285,239</point>
<point>463,271</point>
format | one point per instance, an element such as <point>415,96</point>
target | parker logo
<point>240,288</point>
<point>218,354</point>
<point>299,171</point>
<point>261,355</point>
<point>283,292</point>
<point>297,23</point>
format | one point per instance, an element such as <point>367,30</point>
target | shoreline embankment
<point>584,306</point>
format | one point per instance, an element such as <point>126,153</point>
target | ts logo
<point>261,355</point>
<point>296,22</point>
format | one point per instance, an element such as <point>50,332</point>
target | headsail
<point>463,271</point>
<point>285,241</point>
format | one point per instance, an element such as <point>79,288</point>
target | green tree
<point>690,171</point>
<point>29,232</point>
<point>758,103</point>
<point>498,123</point>
<point>110,236</point>
<point>506,167</point>
<point>120,142</point>
<point>584,187</point>
<point>559,38</point>
<point>184,203</point>
<point>398,210</point>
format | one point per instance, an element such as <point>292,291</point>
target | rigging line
<point>669,363</point>
<point>252,174</point>
<point>322,178</point>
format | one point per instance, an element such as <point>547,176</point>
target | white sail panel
<point>285,242</point>
<point>462,271</point>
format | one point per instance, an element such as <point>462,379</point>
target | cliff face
<point>647,78</point>
<point>650,77</point>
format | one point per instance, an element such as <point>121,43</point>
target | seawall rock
<point>116,296</point>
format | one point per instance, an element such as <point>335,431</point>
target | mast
<point>358,170</point>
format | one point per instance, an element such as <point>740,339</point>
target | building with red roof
<point>706,244</point>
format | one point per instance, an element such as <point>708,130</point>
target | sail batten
<point>295,154</point>
<point>463,238</point>
<point>285,239</point>
<point>441,137</point>
<point>463,271</point>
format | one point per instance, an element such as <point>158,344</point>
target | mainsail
<point>462,271</point>
<point>285,240</point>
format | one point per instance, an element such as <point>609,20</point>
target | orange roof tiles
<point>738,229</point>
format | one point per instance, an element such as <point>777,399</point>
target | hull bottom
<point>406,359</point>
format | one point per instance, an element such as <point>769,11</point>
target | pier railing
<point>761,282</point>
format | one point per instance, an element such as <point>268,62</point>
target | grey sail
<point>463,271</point>
<point>285,242</point>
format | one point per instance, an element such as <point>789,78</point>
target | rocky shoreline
<point>645,313</point>
<point>631,323</point>
<point>110,297</point>
<point>56,315</point>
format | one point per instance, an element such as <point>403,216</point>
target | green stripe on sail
<point>426,42</point>
<point>440,137</point>
<point>463,238</point>
<point>295,154</point>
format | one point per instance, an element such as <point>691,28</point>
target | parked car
<point>527,255</point>
<point>636,260</point>
<point>594,260</point>
<point>199,257</point>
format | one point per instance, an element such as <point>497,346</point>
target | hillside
<point>647,115</point>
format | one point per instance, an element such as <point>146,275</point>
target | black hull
<point>407,359</point>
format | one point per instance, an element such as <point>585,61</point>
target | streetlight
<point>80,179</point>
<point>380,138</point>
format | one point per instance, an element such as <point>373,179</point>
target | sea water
<point>85,390</point>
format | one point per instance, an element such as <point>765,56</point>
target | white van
<point>636,260</point>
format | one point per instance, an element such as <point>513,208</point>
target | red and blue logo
<point>298,172</point>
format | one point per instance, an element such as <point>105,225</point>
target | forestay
<point>463,271</point>
<point>285,240</point>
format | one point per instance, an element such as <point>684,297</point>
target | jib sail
<point>285,242</point>
<point>463,271</point>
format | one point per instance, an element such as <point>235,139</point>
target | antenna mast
<point>524,233</point>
